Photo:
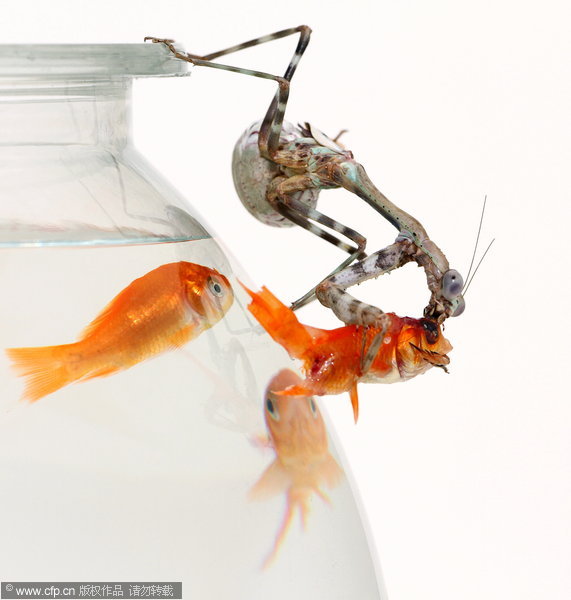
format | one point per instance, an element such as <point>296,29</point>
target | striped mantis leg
<point>306,161</point>
<point>314,161</point>
<point>327,167</point>
<point>271,129</point>
<point>332,293</point>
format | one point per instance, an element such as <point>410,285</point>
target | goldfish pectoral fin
<point>261,440</point>
<point>274,481</point>
<point>184,335</point>
<point>332,473</point>
<point>353,394</point>
<point>44,368</point>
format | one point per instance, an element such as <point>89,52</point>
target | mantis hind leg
<point>281,196</point>
<point>272,124</point>
<point>273,121</point>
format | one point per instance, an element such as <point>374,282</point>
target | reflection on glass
<point>144,473</point>
<point>303,463</point>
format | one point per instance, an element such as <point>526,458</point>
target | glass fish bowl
<point>142,435</point>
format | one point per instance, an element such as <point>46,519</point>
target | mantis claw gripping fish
<point>333,359</point>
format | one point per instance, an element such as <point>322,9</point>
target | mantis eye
<point>460,305</point>
<point>452,284</point>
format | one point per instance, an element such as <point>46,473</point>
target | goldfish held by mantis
<point>159,311</point>
<point>303,463</point>
<point>333,359</point>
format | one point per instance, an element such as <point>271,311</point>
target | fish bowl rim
<point>88,61</point>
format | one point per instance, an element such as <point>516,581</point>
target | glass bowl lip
<point>89,61</point>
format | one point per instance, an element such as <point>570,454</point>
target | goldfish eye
<point>452,284</point>
<point>313,406</point>
<point>215,287</point>
<point>272,409</point>
<point>430,331</point>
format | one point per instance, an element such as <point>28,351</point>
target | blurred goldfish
<point>332,359</point>
<point>303,463</point>
<point>159,311</point>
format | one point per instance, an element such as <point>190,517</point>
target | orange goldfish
<point>303,463</point>
<point>332,359</point>
<point>159,311</point>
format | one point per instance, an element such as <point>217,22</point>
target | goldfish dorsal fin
<point>126,298</point>
<point>102,317</point>
<point>274,481</point>
<point>354,402</point>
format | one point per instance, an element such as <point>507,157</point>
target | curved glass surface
<point>142,436</point>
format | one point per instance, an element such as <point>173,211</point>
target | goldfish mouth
<point>434,358</point>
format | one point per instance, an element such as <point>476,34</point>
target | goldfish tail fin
<point>45,369</point>
<point>280,322</point>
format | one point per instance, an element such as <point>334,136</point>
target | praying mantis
<point>280,168</point>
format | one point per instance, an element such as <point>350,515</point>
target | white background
<point>466,477</point>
